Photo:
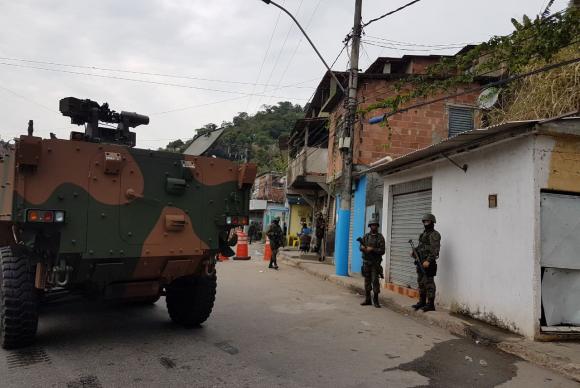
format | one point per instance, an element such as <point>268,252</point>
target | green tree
<point>253,137</point>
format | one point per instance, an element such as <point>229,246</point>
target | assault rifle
<point>418,258</point>
<point>381,274</point>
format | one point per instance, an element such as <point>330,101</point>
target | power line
<point>340,53</point>
<point>390,13</point>
<point>392,88</point>
<point>265,57</point>
<point>289,62</point>
<point>493,84</point>
<point>214,102</point>
<point>374,43</point>
<point>177,76</point>
<point>280,53</point>
<point>142,81</point>
<point>29,100</point>
<point>513,78</point>
<point>402,43</point>
<point>365,51</point>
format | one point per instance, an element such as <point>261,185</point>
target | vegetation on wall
<point>534,42</point>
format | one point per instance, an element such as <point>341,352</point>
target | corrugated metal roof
<point>460,143</point>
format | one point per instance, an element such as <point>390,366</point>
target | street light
<point>309,41</point>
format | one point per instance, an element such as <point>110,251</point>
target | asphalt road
<point>269,329</point>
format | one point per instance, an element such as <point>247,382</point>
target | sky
<point>186,63</point>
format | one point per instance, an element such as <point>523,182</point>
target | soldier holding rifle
<point>372,245</point>
<point>426,255</point>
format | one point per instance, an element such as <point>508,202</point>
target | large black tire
<point>18,300</point>
<point>191,299</point>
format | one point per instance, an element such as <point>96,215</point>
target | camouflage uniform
<point>428,249</point>
<point>371,268</point>
<point>275,235</point>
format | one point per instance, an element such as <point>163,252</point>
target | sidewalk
<point>561,357</point>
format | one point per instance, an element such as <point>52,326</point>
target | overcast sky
<point>211,52</point>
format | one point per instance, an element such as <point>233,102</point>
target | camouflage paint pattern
<point>134,219</point>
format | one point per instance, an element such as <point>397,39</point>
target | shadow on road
<point>82,323</point>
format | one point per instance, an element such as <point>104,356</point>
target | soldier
<point>274,233</point>
<point>428,249</point>
<point>373,247</point>
<point>252,232</point>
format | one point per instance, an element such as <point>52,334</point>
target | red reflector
<point>48,216</point>
<point>235,220</point>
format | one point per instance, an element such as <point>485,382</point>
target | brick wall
<point>269,188</point>
<point>334,155</point>
<point>407,131</point>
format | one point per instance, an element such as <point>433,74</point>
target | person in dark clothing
<point>373,248</point>
<point>274,234</point>
<point>305,237</point>
<point>319,232</point>
<point>428,250</point>
<point>251,232</point>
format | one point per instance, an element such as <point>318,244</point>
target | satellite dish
<point>488,98</point>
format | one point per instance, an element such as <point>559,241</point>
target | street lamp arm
<point>309,41</point>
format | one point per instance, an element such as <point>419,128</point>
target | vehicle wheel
<point>18,300</point>
<point>190,299</point>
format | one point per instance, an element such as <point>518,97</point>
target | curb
<point>476,331</point>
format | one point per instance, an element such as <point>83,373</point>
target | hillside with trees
<point>252,137</point>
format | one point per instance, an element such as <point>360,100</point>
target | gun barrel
<point>132,119</point>
<point>418,261</point>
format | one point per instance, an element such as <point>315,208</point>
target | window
<point>460,120</point>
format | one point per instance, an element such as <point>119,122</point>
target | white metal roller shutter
<point>406,225</point>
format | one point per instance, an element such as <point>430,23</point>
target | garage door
<point>407,210</point>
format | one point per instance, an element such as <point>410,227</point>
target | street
<point>269,328</point>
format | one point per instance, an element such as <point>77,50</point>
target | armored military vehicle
<point>96,216</point>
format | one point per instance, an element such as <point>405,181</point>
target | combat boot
<point>376,300</point>
<point>430,306</point>
<point>367,301</point>
<point>421,303</point>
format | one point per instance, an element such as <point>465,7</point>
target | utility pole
<point>343,224</point>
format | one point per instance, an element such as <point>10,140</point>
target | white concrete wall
<point>488,262</point>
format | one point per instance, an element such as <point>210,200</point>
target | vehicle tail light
<point>48,217</point>
<point>45,216</point>
<point>32,216</point>
<point>237,220</point>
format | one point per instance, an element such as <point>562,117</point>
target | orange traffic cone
<point>267,250</point>
<point>242,247</point>
<point>221,257</point>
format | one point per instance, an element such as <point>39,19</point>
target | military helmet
<point>374,220</point>
<point>429,217</point>
<point>276,219</point>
